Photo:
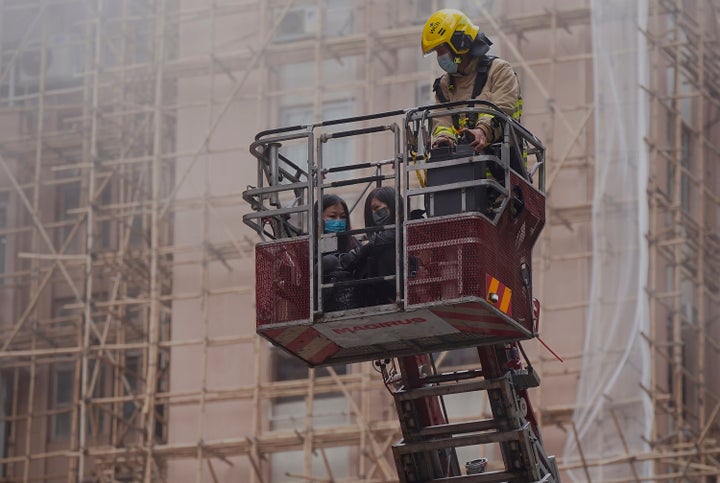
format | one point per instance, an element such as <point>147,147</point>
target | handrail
<point>278,174</point>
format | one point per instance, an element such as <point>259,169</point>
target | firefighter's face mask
<point>447,63</point>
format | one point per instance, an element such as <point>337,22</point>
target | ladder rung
<point>456,441</point>
<point>487,477</point>
<point>459,388</point>
<point>458,428</point>
<point>452,376</point>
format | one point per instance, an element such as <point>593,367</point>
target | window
<point>336,152</point>
<point>339,18</point>
<point>103,235</point>
<point>424,95</point>
<point>298,23</point>
<point>466,357</point>
<point>136,18</point>
<point>132,376</point>
<point>472,8</point>
<point>687,291</point>
<point>685,156</point>
<point>133,310</point>
<point>4,202</point>
<point>131,385</point>
<point>62,315</point>
<point>137,233</point>
<point>63,57</point>
<point>62,400</point>
<point>304,75</point>
<point>288,413</point>
<point>303,21</point>
<point>67,199</point>
<point>96,414</point>
<point>3,255</point>
<point>326,412</point>
<point>421,10</point>
<point>5,401</point>
<point>287,368</point>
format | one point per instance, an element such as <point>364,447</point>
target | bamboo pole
<point>699,299</point>
<point>204,277</point>
<point>29,353</point>
<point>148,410</point>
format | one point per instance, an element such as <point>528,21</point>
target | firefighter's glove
<point>443,141</point>
<point>478,140</point>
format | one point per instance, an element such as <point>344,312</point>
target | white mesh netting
<point>616,363</point>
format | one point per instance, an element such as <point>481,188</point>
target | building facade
<point>127,275</point>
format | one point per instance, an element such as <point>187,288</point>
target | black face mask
<point>381,216</point>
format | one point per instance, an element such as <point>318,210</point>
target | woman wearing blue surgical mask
<point>336,219</point>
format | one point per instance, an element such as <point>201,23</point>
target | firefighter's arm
<point>443,132</point>
<point>503,90</point>
<point>443,136</point>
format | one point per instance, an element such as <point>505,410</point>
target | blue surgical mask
<point>381,216</point>
<point>447,63</point>
<point>335,226</point>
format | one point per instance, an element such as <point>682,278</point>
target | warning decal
<point>498,294</point>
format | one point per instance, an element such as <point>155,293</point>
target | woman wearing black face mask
<point>377,257</point>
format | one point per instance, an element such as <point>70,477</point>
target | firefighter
<point>470,73</point>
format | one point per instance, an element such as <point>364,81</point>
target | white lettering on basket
<point>379,325</point>
<point>385,329</point>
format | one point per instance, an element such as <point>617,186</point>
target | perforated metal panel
<point>282,285</point>
<point>466,287</point>
<point>469,258</point>
<point>449,255</point>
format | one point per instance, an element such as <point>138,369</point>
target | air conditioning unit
<point>63,63</point>
<point>298,23</point>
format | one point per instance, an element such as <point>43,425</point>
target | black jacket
<point>374,259</point>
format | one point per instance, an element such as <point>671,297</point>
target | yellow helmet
<point>451,27</point>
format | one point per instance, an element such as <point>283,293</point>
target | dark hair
<point>345,242</point>
<point>386,194</point>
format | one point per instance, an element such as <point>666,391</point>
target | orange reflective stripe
<point>494,284</point>
<point>505,301</point>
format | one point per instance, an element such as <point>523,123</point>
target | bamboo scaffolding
<point>117,258</point>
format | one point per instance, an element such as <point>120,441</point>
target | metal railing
<point>284,198</point>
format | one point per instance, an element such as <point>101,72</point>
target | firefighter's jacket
<point>501,88</point>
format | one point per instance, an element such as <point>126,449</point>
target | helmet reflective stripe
<point>451,27</point>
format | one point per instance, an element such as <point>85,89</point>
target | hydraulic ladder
<point>427,450</point>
